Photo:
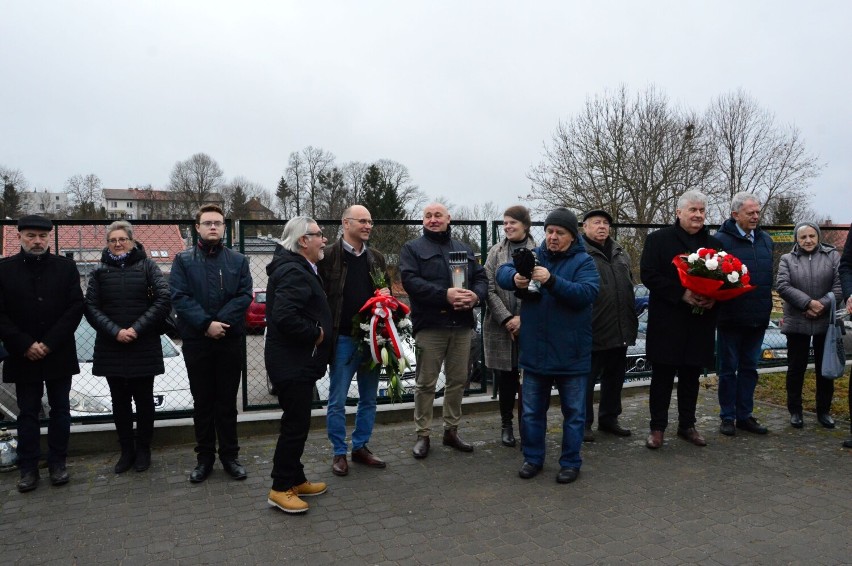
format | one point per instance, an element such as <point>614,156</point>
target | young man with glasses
<point>347,278</point>
<point>211,289</point>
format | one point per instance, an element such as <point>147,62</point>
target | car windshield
<point>260,298</point>
<point>85,338</point>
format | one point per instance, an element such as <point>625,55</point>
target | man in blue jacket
<point>442,314</point>
<point>742,321</point>
<point>556,341</point>
<point>211,290</point>
<point>846,282</point>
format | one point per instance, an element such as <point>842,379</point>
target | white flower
<point>712,264</point>
<point>365,327</point>
<point>404,323</point>
<point>723,254</point>
<point>692,258</point>
<point>385,356</point>
<point>403,363</point>
<point>733,277</point>
<point>744,269</point>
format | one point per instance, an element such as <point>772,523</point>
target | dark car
<point>256,313</point>
<point>641,294</point>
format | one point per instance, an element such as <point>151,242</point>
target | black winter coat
<point>40,301</point>
<point>133,295</point>
<point>675,335</point>
<point>296,309</point>
<point>425,268</point>
<point>614,320</point>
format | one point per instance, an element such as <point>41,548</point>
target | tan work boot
<point>308,489</point>
<point>288,501</point>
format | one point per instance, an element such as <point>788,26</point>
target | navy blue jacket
<point>752,308</point>
<point>208,285</point>
<point>556,331</point>
<point>425,268</point>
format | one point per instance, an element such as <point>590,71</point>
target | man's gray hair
<point>741,198</point>
<point>691,196</point>
<point>293,230</point>
<point>119,225</point>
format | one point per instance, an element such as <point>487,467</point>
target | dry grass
<point>772,388</point>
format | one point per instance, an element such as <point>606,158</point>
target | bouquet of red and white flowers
<point>715,274</point>
<point>381,326</point>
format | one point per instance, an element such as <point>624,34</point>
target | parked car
<point>256,313</point>
<point>90,394</point>
<point>641,294</point>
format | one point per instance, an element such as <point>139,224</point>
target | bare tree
<point>753,153</point>
<point>86,195</point>
<point>249,190</point>
<point>397,176</point>
<point>194,180</point>
<point>317,162</point>
<point>353,174</point>
<point>631,157</point>
<point>14,185</point>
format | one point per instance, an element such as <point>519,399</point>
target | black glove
<point>524,261</point>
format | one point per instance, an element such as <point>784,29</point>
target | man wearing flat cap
<point>41,303</point>
<point>614,323</point>
<point>555,341</point>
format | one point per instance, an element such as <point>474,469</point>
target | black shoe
<point>421,447</point>
<point>825,420</point>
<point>59,475</point>
<point>847,443</point>
<point>796,420</point>
<point>751,425</point>
<point>614,428</point>
<point>507,437</point>
<point>528,470</point>
<point>234,469</point>
<point>143,458</point>
<point>452,439</point>
<point>567,475</point>
<point>201,471</point>
<point>588,434</point>
<point>125,461</point>
<point>727,428</point>
<point>28,481</point>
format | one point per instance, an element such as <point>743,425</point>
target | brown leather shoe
<point>421,447</point>
<point>692,435</point>
<point>655,439</point>
<point>364,456</point>
<point>340,467</point>
<point>451,438</point>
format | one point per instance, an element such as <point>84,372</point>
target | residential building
<point>150,204</point>
<point>43,202</point>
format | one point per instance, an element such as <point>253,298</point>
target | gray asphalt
<point>785,498</point>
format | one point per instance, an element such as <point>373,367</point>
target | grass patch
<point>772,388</point>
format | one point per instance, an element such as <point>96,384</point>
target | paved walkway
<point>784,498</point>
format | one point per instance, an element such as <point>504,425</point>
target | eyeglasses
<point>115,241</point>
<point>362,221</point>
<point>317,233</point>
<point>212,224</point>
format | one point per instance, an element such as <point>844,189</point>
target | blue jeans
<point>536,401</point>
<point>739,350</point>
<point>58,427</point>
<point>346,363</point>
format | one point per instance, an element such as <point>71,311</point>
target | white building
<point>43,202</point>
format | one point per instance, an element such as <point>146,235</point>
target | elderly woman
<point>806,276</point>
<point>126,302</point>
<point>503,323</point>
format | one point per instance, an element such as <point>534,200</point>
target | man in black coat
<point>846,282</point>
<point>298,346</point>
<point>211,290</point>
<point>41,303</point>
<point>442,313</point>
<point>679,341</point>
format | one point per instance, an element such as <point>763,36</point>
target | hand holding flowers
<point>709,276</point>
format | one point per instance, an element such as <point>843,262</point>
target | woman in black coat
<point>126,302</point>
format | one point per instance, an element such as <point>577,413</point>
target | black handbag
<point>167,324</point>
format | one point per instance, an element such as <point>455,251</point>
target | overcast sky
<point>462,93</point>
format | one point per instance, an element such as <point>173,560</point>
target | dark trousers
<point>125,391</point>
<point>214,368</point>
<point>608,366</point>
<point>797,362</point>
<point>59,426</point>
<point>507,389</point>
<point>295,399</point>
<point>662,381</point>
